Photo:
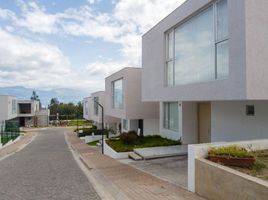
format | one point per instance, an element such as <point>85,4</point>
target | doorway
<point>204,122</point>
<point>141,126</point>
<point>22,121</point>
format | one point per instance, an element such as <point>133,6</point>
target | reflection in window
<point>171,116</point>
<point>118,94</point>
<point>14,106</point>
<point>96,106</point>
<point>201,48</point>
<point>86,107</point>
<point>194,50</point>
<point>125,124</point>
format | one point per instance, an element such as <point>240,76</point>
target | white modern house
<point>123,101</point>
<point>92,111</point>
<point>8,108</point>
<point>207,65</point>
<point>25,112</point>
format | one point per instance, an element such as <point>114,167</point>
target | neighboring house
<point>93,112</point>
<point>207,65</point>
<point>8,108</point>
<point>25,112</point>
<point>123,101</point>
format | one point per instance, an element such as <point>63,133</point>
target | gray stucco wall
<point>229,121</point>
<point>257,49</point>
<point>153,59</point>
<point>133,107</point>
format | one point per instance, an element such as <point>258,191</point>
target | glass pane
<point>86,107</point>
<point>125,124</point>
<point>118,94</point>
<point>194,49</point>
<point>222,20</point>
<point>170,45</point>
<point>222,60</point>
<point>166,110</point>
<point>173,116</point>
<point>96,106</point>
<point>170,76</point>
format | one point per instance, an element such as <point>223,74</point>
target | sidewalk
<point>16,146</point>
<point>123,181</point>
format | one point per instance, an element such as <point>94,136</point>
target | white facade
<point>26,112</point>
<point>86,108</point>
<point>92,111</point>
<point>206,63</point>
<point>8,107</point>
<point>123,101</point>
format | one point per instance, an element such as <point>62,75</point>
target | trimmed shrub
<point>130,138</point>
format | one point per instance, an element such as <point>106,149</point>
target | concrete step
<point>134,156</point>
<point>162,152</point>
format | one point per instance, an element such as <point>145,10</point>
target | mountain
<point>64,95</point>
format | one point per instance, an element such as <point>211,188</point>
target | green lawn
<point>81,122</point>
<point>147,141</point>
<point>94,143</point>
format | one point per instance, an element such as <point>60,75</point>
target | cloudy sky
<point>52,44</point>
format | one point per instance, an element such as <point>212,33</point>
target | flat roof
<point>125,68</point>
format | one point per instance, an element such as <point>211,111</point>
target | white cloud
<point>124,25</point>
<point>100,68</point>
<point>37,65</point>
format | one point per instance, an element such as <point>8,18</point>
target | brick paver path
<point>44,170</point>
<point>127,181</point>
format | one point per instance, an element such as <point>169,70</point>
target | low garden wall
<point>112,153</point>
<point>92,138</point>
<point>215,181</point>
<point>200,151</point>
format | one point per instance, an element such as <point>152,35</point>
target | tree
<point>34,96</point>
<point>54,101</point>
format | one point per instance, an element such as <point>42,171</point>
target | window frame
<point>216,43</point>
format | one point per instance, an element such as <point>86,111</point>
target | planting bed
<point>260,168</point>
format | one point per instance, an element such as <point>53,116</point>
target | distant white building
<point>26,112</point>
<point>92,111</point>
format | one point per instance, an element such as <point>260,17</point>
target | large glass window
<point>198,51</point>
<point>171,116</point>
<point>96,106</point>
<point>118,94</point>
<point>86,107</point>
<point>125,124</point>
<point>14,106</point>
<point>222,52</point>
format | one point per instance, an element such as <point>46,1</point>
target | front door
<point>141,126</point>
<point>204,122</point>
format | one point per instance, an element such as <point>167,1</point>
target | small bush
<point>94,127</point>
<point>230,151</point>
<point>130,138</point>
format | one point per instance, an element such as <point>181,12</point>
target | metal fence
<point>9,131</point>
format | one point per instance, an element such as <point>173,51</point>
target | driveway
<point>172,169</point>
<point>45,169</point>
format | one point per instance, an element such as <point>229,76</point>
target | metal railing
<point>9,131</point>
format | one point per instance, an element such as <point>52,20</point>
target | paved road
<point>44,170</point>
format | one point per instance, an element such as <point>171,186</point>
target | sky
<point>74,44</point>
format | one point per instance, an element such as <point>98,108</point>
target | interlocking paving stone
<point>44,170</point>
